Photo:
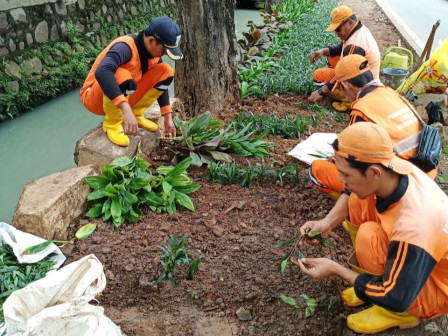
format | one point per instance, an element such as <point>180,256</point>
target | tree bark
<point>207,79</point>
<point>269,3</point>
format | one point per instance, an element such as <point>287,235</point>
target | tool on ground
<point>428,46</point>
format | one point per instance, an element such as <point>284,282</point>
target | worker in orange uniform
<point>371,101</point>
<point>403,236</point>
<point>351,32</point>
<point>129,75</point>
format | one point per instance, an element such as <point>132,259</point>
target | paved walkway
<point>415,18</point>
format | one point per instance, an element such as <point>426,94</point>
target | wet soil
<point>234,228</point>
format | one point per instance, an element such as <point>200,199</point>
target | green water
<point>43,141</point>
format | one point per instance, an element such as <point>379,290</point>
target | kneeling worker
<point>129,75</point>
<point>403,235</point>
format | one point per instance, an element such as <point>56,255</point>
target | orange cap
<point>339,15</point>
<point>349,67</point>
<point>370,143</point>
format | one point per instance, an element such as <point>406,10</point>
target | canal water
<point>43,141</point>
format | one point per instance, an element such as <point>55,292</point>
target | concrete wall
<point>25,24</point>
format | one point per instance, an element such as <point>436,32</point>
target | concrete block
<point>49,205</point>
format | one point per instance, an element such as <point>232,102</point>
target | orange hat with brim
<point>339,15</point>
<point>349,67</point>
<point>370,143</point>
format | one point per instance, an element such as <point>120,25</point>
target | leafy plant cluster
<point>69,65</point>
<point>227,174</point>
<point>203,139</point>
<point>176,254</point>
<point>14,275</point>
<point>284,66</point>
<point>126,185</point>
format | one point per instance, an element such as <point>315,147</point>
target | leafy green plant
<point>176,254</point>
<point>323,242</point>
<point>83,232</point>
<point>14,275</point>
<point>248,177</point>
<point>311,304</point>
<point>126,184</point>
<point>203,140</point>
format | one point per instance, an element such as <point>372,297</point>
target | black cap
<point>167,32</point>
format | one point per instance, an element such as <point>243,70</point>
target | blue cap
<point>167,32</point>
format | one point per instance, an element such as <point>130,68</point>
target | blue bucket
<point>393,77</point>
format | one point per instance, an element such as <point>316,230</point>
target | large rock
<point>95,147</point>
<point>48,205</point>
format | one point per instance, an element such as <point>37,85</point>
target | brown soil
<point>234,229</point>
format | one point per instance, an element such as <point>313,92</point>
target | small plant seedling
<point>305,235</point>
<point>176,254</point>
<point>311,304</point>
<point>194,295</point>
<point>82,233</point>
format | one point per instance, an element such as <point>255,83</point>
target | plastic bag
<point>59,304</point>
<point>432,76</point>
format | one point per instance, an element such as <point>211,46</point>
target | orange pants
<point>372,242</point>
<point>326,175</point>
<point>323,75</point>
<point>92,98</point>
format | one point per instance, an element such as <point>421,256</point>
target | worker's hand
<point>170,129</point>
<point>129,120</point>
<point>316,55</point>
<point>313,226</point>
<point>314,96</point>
<point>318,268</point>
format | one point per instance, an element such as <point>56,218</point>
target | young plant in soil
<point>323,242</point>
<point>176,254</point>
<point>311,304</point>
<point>204,141</point>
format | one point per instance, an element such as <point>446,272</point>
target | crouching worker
<point>402,216</point>
<point>129,75</point>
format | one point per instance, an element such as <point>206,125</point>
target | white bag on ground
<point>59,304</point>
<point>19,240</point>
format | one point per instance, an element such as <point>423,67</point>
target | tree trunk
<point>207,79</point>
<point>269,3</point>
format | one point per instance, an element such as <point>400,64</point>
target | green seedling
<point>194,295</point>
<point>82,233</point>
<point>176,254</point>
<point>311,304</point>
<point>295,241</point>
<point>248,177</point>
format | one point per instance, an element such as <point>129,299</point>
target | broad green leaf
<point>108,172</point>
<point>138,183</point>
<point>283,263</point>
<point>106,209</point>
<point>121,161</point>
<point>96,182</point>
<point>289,300</point>
<point>85,231</point>
<point>37,248</point>
<point>97,194</point>
<point>140,163</point>
<point>115,208</point>
<point>285,243</point>
<point>220,156</point>
<point>203,120</point>
<point>184,200</point>
<point>166,187</point>
<point>188,189</point>
<point>95,210</point>
<point>130,198</point>
<point>179,169</point>
<point>196,159</point>
<point>110,190</point>
<point>135,214</point>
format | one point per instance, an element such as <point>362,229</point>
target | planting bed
<point>234,228</point>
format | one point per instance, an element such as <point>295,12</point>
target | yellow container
<point>398,58</point>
